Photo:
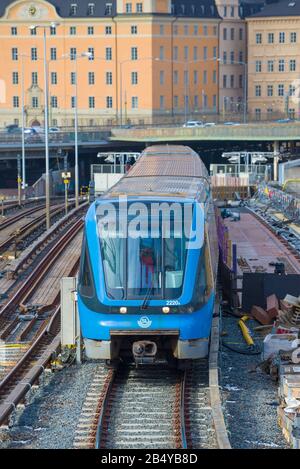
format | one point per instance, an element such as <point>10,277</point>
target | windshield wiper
<point>145,302</point>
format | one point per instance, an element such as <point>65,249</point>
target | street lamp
<point>75,57</point>
<point>46,96</point>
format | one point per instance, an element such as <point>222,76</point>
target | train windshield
<point>143,264</point>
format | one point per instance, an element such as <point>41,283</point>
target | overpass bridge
<point>259,131</point>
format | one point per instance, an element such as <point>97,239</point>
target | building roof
<point>184,8</point>
<point>279,8</point>
<point>250,7</point>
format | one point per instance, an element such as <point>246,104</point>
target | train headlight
<point>123,310</point>
<point>166,310</point>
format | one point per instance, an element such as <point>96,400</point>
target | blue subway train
<point>147,279</point>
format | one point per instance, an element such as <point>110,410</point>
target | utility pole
<point>19,179</point>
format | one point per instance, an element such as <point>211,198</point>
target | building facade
<point>148,60</point>
<point>274,61</point>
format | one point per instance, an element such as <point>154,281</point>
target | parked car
<point>209,124</point>
<point>12,128</point>
<point>284,121</point>
<point>232,123</point>
<point>52,130</point>
<point>191,124</point>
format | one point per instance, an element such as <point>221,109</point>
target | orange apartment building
<point>150,60</point>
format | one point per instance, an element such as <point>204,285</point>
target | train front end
<point>146,282</point>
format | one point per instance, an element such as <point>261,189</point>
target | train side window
<point>86,284</point>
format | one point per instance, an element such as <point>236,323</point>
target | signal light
<point>123,310</point>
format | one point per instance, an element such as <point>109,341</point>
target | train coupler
<point>144,351</point>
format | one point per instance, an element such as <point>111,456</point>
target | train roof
<point>162,171</point>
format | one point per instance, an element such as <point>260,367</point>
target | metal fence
<point>288,204</point>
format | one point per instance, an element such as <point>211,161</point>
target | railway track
<point>27,228</point>
<point>155,407</point>
<point>39,331</point>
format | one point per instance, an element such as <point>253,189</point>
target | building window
<point>186,52</point>
<point>52,31</point>
<point>270,65</point>
<point>269,113</point>
<point>293,37</point>
<point>257,91</point>
<point>161,77</point>
<point>232,34</point>
<point>240,81</point>
<point>134,78</point>
<point>282,37</point>
<point>271,38</point>
<point>292,65</point>
<point>224,34</point>
<point>161,52</point>
<point>108,9</point>
<point>232,12</point>
<point>73,31</point>
<point>231,81</point>
<point>161,102</point>
<point>204,77</point>
<point>139,8</point>
<point>224,81</point>
<point>34,53</point>
<point>53,78</point>
<point>175,53</point>
<point>73,53</point>
<point>53,101</point>
<point>232,57</point>
<point>161,29</point>
<point>258,66</point>
<point>108,53</point>
<point>292,113</point>
<point>53,53</point>
<point>73,9</point>
<point>91,9</point>
<point>281,90</point>
<point>73,78</point>
<point>195,77</point>
<point>258,38</point>
<point>195,53</point>
<point>91,52</point>
<point>91,102</point>
<point>241,56</point>
<point>225,11</point>
<point>91,78</point>
<point>258,114</point>
<point>33,31</point>
<point>109,102</point>
<point>205,30</point>
<point>214,52</point>
<point>73,101</point>
<point>15,78</point>
<point>196,29</point>
<point>281,65</point>
<point>108,79</point>
<point>35,102</point>
<point>128,7</point>
<point>270,90</point>
<point>175,102</point>
<point>215,30</point>
<point>14,31</point>
<point>134,29</point>
<point>134,102</point>
<point>241,34</point>
<point>175,30</point>
<point>225,57</point>
<point>186,77</point>
<point>90,30</point>
<point>214,76</point>
<point>175,77</point>
<point>108,30</point>
<point>205,53</point>
<point>186,30</point>
<point>16,101</point>
<point>134,53</point>
<point>196,101</point>
<point>214,100</point>
<point>292,90</point>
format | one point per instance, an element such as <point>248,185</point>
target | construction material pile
<point>281,318</point>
